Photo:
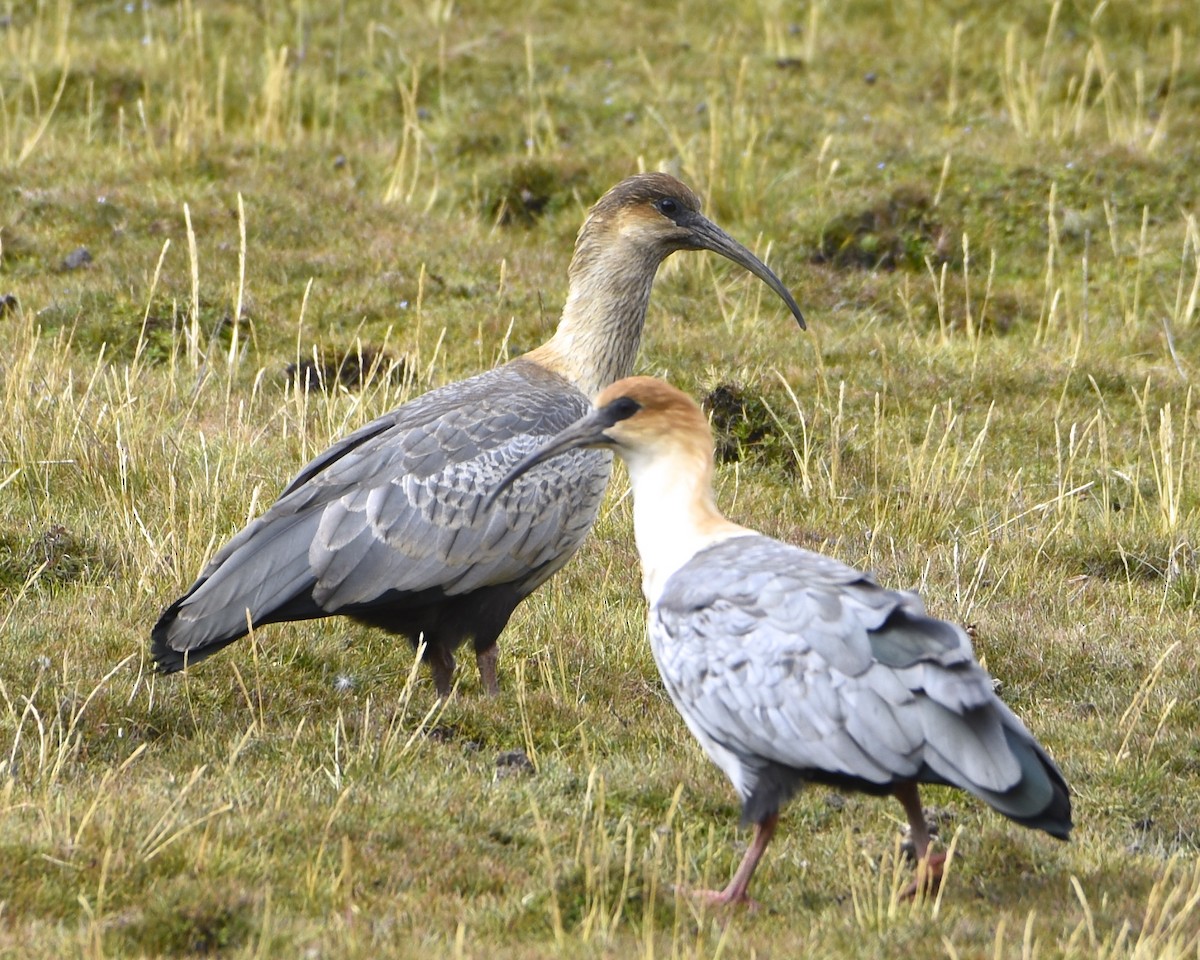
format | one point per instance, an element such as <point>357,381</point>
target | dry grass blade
<point>993,402</point>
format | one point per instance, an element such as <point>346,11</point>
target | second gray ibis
<point>388,525</point>
<point>791,667</point>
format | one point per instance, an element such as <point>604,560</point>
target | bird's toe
<point>928,878</point>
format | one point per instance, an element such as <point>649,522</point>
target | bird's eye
<point>622,409</point>
<point>667,207</point>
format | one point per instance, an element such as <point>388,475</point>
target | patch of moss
<point>190,917</point>
<point>115,322</point>
<point>524,191</point>
<point>1146,562</point>
<point>352,369</point>
<point>899,231</point>
<point>740,421</point>
<point>56,554</point>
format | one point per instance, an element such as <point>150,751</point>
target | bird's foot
<point>928,878</point>
<point>729,897</point>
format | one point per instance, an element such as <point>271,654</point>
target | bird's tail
<point>169,643</point>
<point>1041,798</point>
<point>261,576</point>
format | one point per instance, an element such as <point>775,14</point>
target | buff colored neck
<point>598,336</point>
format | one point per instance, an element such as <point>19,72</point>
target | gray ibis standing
<point>388,525</point>
<point>791,667</point>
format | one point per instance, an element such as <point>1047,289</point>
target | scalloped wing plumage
<point>395,509</point>
<point>789,666</point>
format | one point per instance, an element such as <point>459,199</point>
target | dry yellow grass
<point>988,214</point>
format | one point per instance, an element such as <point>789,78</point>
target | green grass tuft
<point>989,216</point>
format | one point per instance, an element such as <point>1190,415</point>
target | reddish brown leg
<point>736,891</point>
<point>441,663</point>
<point>486,661</point>
<point>910,798</point>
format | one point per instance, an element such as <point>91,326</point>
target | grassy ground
<point>988,213</point>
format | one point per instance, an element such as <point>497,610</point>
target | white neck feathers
<point>674,515</point>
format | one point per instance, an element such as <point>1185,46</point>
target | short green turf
<point>986,211</point>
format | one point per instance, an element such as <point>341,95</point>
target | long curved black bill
<point>588,431</point>
<point>706,235</point>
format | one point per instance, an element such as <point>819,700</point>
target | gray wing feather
<point>396,506</point>
<point>779,654</point>
<point>872,720</point>
<point>278,567</point>
<point>970,746</point>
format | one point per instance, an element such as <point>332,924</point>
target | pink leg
<point>910,798</point>
<point>736,891</point>
<point>486,661</point>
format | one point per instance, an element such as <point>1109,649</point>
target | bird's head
<point>637,417</point>
<point>659,215</point>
